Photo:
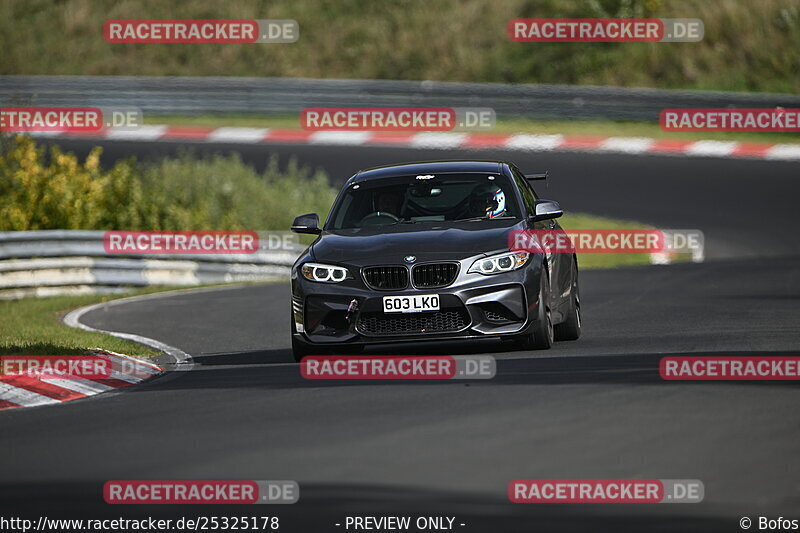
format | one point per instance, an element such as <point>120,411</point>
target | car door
<point>558,264</point>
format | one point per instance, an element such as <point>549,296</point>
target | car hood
<point>425,241</point>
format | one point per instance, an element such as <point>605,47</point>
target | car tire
<point>542,336</point>
<point>570,329</point>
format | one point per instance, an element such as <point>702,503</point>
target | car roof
<point>430,167</point>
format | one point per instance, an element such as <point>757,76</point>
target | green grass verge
<point>32,326</point>
<point>601,128</point>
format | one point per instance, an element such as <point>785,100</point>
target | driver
<point>388,203</point>
<point>487,201</point>
<point>386,207</point>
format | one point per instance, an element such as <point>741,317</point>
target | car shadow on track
<point>281,356</point>
<point>256,357</point>
<point>258,369</point>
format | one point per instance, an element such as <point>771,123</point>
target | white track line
<point>784,151</point>
<point>183,360</point>
<point>712,148</point>
<point>438,140</point>
<point>345,138</point>
<point>142,133</point>
<point>627,145</point>
<point>536,143</point>
<point>238,135</point>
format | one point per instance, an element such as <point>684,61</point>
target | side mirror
<point>547,209</point>
<point>307,224</point>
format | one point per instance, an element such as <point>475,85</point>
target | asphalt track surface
<point>594,408</point>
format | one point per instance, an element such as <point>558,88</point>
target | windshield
<point>425,198</point>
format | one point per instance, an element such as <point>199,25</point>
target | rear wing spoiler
<point>536,176</point>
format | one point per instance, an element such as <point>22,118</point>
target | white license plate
<point>411,304</point>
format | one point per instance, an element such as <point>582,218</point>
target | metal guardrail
<point>53,262</point>
<point>286,96</point>
<point>50,262</point>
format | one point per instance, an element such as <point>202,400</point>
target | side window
<point>528,194</point>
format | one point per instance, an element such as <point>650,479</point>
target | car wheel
<point>570,329</point>
<point>542,336</point>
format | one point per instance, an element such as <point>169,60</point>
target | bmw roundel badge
<point>410,258</point>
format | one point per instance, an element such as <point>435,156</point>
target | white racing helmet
<point>490,199</point>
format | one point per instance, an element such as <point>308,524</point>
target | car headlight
<point>324,273</point>
<point>495,264</point>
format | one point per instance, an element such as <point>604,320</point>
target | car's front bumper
<point>474,306</point>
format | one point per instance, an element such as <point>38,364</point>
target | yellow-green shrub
<point>42,189</point>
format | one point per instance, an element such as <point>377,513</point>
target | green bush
<point>54,190</point>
